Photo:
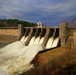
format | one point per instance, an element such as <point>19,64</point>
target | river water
<point>16,58</point>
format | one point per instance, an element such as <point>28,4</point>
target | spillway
<point>55,43</point>
<point>49,43</point>
<point>37,40</point>
<point>48,37</point>
<point>41,40</point>
<point>32,40</point>
<point>23,38</point>
<point>16,57</point>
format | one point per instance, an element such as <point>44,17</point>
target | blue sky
<point>50,12</point>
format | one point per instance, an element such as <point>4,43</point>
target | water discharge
<point>16,58</point>
<point>49,43</point>
<point>55,43</point>
<point>37,40</point>
<point>22,39</point>
<point>25,39</point>
<point>41,40</point>
<point>32,40</point>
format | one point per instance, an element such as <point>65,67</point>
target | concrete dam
<point>47,37</point>
<point>16,58</point>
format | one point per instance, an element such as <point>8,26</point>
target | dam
<point>17,57</point>
<point>48,37</point>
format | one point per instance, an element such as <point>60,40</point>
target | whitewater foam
<point>32,40</point>
<point>41,40</point>
<point>55,43</point>
<point>16,58</point>
<point>49,43</point>
<point>23,38</point>
<point>37,40</point>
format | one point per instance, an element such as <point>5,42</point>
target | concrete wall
<point>72,40</point>
<point>9,31</point>
<point>67,35</point>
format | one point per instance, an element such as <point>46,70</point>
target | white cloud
<point>37,9</point>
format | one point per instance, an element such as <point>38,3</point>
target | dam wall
<point>71,43</point>
<point>66,33</point>
<point>9,31</point>
<point>8,34</point>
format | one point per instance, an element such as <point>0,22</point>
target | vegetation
<point>14,23</point>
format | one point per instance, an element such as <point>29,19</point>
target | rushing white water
<point>22,39</point>
<point>25,38</point>
<point>32,40</point>
<point>16,58</point>
<point>37,40</point>
<point>49,43</point>
<point>41,40</point>
<point>15,46</point>
<point>55,43</point>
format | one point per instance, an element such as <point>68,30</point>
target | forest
<point>14,23</point>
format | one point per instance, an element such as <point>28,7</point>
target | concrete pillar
<point>20,31</point>
<point>54,34</point>
<point>41,32</point>
<point>29,36</point>
<point>46,37</point>
<point>63,33</point>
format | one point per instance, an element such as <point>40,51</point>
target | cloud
<point>47,11</point>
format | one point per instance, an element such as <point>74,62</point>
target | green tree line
<point>14,23</point>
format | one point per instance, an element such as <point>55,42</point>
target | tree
<point>14,23</point>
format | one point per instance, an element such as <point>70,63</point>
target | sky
<point>49,12</point>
